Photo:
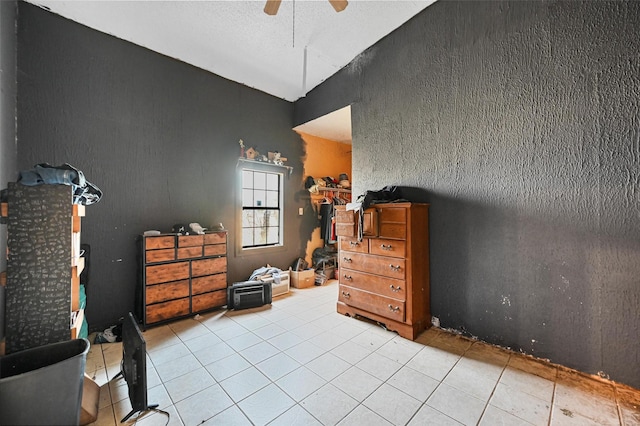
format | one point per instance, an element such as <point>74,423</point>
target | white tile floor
<point>298,362</point>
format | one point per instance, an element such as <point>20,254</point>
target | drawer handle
<point>347,295</point>
<point>354,243</point>
<point>395,289</point>
<point>394,267</point>
<point>386,247</point>
<point>347,259</point>
<point>392,309</point>
<point>348,277</point>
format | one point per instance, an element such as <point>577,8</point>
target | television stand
<point>132,412</point>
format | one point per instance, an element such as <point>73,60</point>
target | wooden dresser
<point>385,276</point>
<point>181,275</point>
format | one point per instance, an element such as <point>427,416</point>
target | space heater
<point>248,294</point>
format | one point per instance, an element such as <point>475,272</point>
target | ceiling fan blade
<point>272,6</point>
<point>339,5</point>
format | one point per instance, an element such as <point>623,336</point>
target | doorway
<point>328,146</point>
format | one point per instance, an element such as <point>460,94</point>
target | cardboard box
<point>90,401</point>
<point>282,287</point>
<point>303,279</point>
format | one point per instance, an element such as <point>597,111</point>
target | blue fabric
<point>84,192</point>
<point>275,273</point>
<point>84,329</point>
<point>45,174</point>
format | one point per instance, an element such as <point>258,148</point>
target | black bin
<point>43,385</point>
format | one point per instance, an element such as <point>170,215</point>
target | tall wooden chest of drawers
<point>181,275</point>
<point>385,275</point>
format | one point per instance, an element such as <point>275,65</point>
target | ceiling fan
<point>271,8</point>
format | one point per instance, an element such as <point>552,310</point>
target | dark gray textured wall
<point>521,123</point>
<point>158,136</point>
<point>8,151</point>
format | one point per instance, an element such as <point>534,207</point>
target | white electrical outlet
<point>301,211</point>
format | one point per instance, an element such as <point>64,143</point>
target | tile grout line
<point>216,382</point>
<point>618,407</point>
<point>553,396</point>
<point>439,383</point>
<point>494,390</point>
<point>383,383</point>
<point>271,381</point>
<point>236,404</point>
<point>360,403</point>
<point>386,382</point>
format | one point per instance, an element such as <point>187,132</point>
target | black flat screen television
<point>134,365</point>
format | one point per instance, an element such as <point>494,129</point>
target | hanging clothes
<point>327,233</point>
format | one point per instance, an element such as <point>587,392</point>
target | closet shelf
<point>327,189</point>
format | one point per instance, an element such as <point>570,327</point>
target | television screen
<point>134,365</point>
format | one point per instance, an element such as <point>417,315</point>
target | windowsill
<point>259,251</point>
<point>255,163</point>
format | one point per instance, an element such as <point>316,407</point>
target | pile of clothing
<point>388,194</point>
<point>313,184</point>
<point>266,272</point>
<point>84,192</point>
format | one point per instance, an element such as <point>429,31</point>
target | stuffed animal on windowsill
<point>277,159</point>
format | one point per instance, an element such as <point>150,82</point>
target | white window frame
<point>257,169</point>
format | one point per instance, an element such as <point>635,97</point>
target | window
<point>261,208</point>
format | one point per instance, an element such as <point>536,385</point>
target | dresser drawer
<point>393,230</point>
<point>168,291</point>
<point>394,248</point>
<point>348,222</point>
<point>208,283</point>
<point>190,240</point>
<point>392,214</point>
<point>215,238</point>
<point>161,255</point>
<point>384,306</point>
<point>352,244</point>
<point>383,286</point>
<point>167,241</point>
<point>215,250</point>
<point>189,252</point>
<point>208,266</point>
<point>168,272</point>
<point>167,310</point>
<point>392,222</point>
<point>209,300</point>
<point>379,265</point>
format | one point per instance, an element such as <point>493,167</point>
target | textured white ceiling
<point>335,126</point>
<point>285,55</point>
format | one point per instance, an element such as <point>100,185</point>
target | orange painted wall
<point>324,157</point>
